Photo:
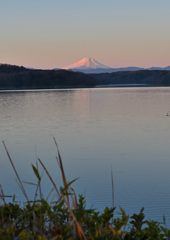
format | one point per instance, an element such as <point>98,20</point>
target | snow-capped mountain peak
<point>86,63</point>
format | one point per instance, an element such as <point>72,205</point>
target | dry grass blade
<point>112,187</point>
<point>80,231</point>
<point>39,182</point>
<point>59,160</point>
<point>113,231</point>
<point>49,176</point>
<point>74,199</point>
<point>2,195</point>
<point>19,180</point>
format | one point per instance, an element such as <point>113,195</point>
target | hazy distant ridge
<point>90,65</point>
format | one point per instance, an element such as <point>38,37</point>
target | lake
<point>123,129</point>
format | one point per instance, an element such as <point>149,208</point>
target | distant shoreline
<point>76,88</point>
<point>20,78</point>
<point>123,85</point>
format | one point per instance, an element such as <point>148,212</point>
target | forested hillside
<point>15,77</point>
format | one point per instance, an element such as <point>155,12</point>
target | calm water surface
<point>125,129</point>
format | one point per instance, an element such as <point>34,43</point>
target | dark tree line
<point>15,77</point>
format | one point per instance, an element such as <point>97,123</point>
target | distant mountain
<point>155,68</point>
<point>90,65</point>
<point>166,68</point>
<point>122,69</point>
<point>86,63</point>
<point>159,68</point>
<point>106,70</point>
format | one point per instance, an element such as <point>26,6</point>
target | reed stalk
<point>16,173</point>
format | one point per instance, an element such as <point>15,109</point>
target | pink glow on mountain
<point>86,63</point>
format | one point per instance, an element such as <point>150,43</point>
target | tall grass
<point>66,217</point>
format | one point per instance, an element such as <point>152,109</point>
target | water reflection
<point>81,103</point>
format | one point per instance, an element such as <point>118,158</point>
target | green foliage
<point>68,218</point>
<point>36,172</point>
<point>42,220</point>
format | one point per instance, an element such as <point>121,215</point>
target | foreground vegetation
<point>66,217</point>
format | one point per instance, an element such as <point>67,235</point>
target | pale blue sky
<point>53,33</point>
